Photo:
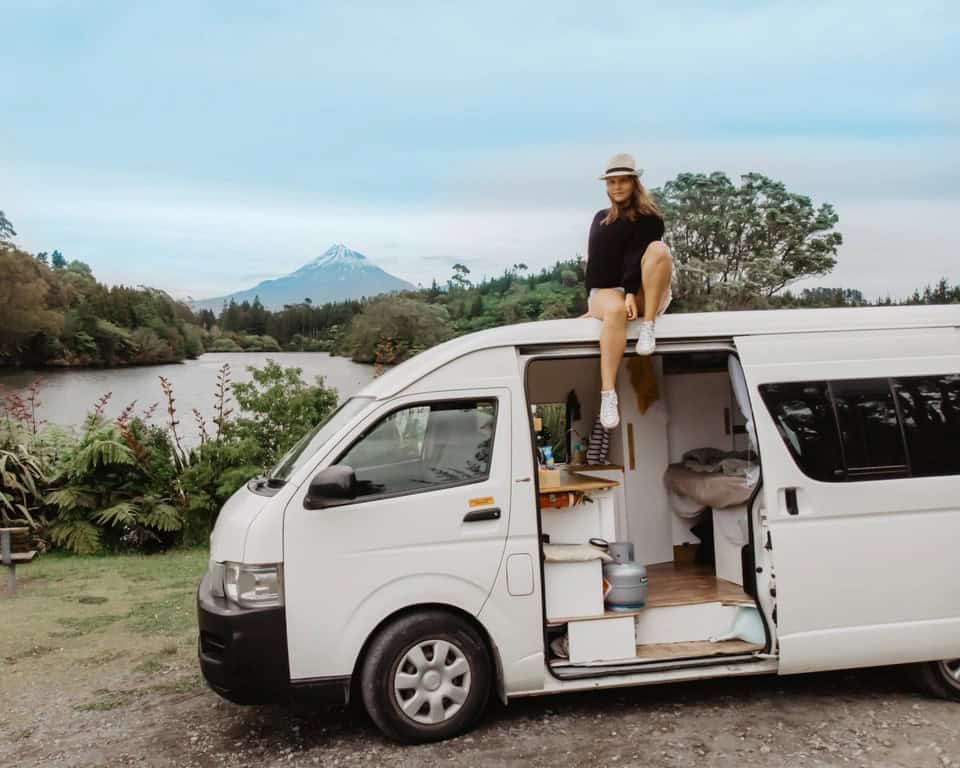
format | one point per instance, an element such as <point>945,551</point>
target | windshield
<point>313,441</point>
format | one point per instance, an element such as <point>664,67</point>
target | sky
<point>202,147</point>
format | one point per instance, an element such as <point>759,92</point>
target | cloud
<point>496,209</point>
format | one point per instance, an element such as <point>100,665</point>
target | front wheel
<point>940,678</point>
<point>426,677</point>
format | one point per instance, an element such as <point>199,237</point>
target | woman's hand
<point>630,302</point>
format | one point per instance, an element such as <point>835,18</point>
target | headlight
<point>216,578</point>
<point>253,586</point>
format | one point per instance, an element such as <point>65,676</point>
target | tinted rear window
<point>804,417</point>
<point>869,427</point>
<point>930,412</point>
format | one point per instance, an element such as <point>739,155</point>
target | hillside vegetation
<point>735,246</point>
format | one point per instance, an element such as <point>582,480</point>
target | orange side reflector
<point>481,501</point>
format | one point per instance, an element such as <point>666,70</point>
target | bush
<point>280,409</point>
<point>126,484</point>
<point>151,348</point>
<point>224,344</point>
<point>111,490</point>
<point>405,324</point>
<point>21,492</point>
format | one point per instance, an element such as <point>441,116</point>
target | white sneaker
<point>609,412</point>
<point>647,340</point>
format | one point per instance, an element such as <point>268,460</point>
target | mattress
<point>709,489</point>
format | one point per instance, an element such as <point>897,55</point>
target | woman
<point>629,269</point>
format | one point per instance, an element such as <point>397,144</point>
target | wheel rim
<point>432,682</point>
<point>951,671</point>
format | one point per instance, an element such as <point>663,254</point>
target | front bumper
<point>243,655</point>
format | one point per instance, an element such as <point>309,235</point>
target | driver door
<point>429,525</point>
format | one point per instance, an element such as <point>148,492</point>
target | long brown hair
<point>640,202</point>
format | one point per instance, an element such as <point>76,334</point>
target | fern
<point>79,536</point>
<point>72,497</point>
<point>163,517</point>
<point>101,453</point>
<point>120,514</point>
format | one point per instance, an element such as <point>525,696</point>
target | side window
<point>804,417</point>
<point>426,446</point>
<point>930,410</point>
<point>869,428</point>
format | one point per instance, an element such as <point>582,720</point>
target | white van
<point>790,480</point>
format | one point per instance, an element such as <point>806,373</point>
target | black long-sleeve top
<point>614,250</point>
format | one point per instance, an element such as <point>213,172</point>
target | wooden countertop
<point>590,467</point>
<point>574,481</point>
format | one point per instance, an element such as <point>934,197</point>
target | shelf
<point>605,615</point>
<point>572,481</point>
<point>591,467</point>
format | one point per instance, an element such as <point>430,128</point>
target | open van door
<point>858,436</point>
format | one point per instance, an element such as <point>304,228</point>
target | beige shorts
<point>664,302</point>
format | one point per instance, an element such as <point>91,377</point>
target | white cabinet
<point>614,513</point>
<point>601,639</point>
<point>577,524</point>
<point>573,589</point>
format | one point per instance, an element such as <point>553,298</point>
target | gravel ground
<point>167,718</point>
<point>98,668</point>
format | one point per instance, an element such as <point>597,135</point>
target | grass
<point>111,603</point>
<point>96,634</point>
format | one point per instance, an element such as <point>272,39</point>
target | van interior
<point>669,489</point>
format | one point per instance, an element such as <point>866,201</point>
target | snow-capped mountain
<point>335,275</point>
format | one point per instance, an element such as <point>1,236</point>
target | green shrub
<point>105,495</point>
<point>279,408</point>
<point>224,344</point>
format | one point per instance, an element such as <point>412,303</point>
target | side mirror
<point>331,487</point>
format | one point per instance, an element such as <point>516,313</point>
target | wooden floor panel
<point>670,584</point>
<point>695,649</point>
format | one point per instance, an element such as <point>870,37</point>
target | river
<point>67,395</point>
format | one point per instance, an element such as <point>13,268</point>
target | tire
<point>939,678</point>
<point>410,695</point>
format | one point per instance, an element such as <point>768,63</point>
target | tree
<point>23,301</point>
<point>6,229</point>
<point>57,260</point>
<point>409,324</point>
<point>459,278</point>
<point>738,246</point>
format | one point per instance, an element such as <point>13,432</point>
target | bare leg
<point>607,305</point>
<point>656,267</point>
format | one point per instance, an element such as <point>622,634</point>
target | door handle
<point>491,513</point>
<point>790,495</point>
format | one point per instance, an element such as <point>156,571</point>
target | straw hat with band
<point>622,165</point>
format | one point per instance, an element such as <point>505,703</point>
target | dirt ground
<point>98,669</point>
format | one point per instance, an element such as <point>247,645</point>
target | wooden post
<point>8,561</point>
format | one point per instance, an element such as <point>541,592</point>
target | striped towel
<point>599,445</point>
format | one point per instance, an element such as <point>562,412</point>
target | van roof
<point>670,327</point>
